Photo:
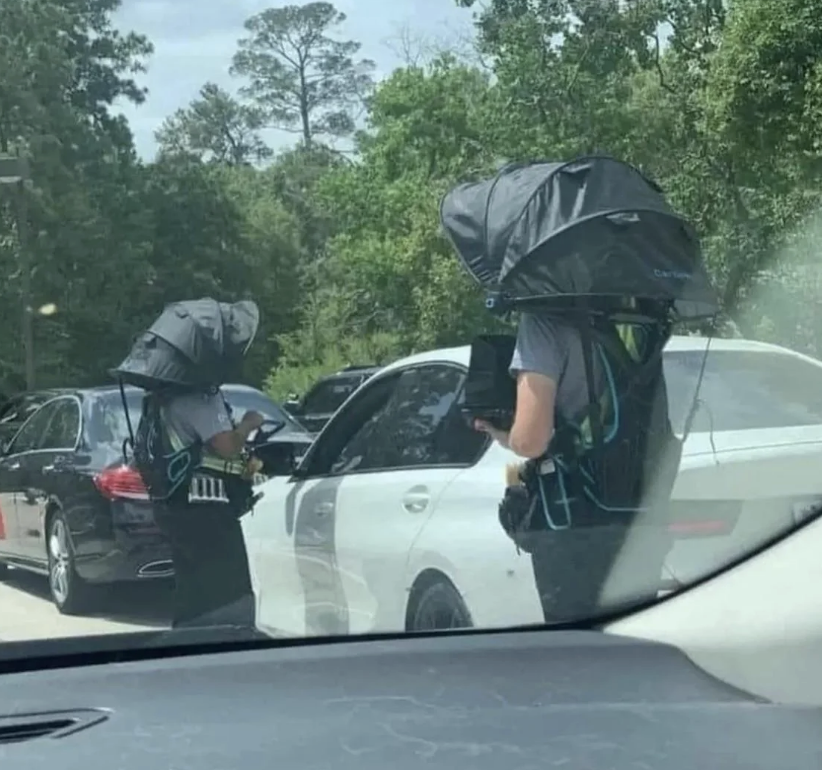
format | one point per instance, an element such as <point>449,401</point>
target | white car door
<point>401,463</point>
<point>465,544</point>
<point>330,544</point>
<point>271,541</point>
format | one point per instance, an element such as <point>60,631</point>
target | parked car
<point>327,395</point>
<point>390,521</point>
<point>70,510</point>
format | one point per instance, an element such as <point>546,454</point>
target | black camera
<point>490,390</point>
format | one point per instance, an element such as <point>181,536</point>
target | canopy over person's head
<point>593,229</point>
<point>193,344</point>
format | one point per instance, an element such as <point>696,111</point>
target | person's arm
<point>537,363</point>
<point>207,418</point>
<point>229,444</point>
<point>534,419</point>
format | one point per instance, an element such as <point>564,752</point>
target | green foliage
<point>216,128</point>
<point>720,102</point>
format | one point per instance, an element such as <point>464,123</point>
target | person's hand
<point>500,436</point>
<point>252,420</point>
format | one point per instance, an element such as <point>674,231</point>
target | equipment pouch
<point>516,515</point>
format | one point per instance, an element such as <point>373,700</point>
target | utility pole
<point>14,172</point>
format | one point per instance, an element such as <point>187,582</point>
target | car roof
<point>678,343</point>
<point>103,390</point>
<point>354,371</point>
<point>461,355</point>
<point>45,393</point>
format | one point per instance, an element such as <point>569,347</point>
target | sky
<point>194,41</point>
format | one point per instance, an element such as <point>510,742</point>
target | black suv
<point>327,395</point>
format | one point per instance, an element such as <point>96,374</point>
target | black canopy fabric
<point>591,227</point>
<point>195,343</point>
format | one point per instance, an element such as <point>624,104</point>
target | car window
<point>64,425</point>
<point>456,442</point>
<point>107,418</point>
<point>744,390</point>
<point>14,410</point>
<point>31,434</point>
<point>329,395</point>
<point>17,411</point>
<point>408,429</point>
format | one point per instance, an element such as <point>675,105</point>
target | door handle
<point>58,464</point>
<point>13,467</point>
<point>416,502</point>
<point>323,509</point>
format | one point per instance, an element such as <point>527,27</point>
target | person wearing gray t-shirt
<point>550,371</point>
<point>213,585</point>
<point>570,566</point>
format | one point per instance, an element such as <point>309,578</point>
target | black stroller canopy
<point>195,343</point>
<point>593,227</point>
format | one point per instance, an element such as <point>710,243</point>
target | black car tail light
<point>121,482</point>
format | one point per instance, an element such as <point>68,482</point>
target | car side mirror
<point>279,458</point>
<point>298,471</point>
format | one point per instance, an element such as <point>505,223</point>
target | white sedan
<point>390,522</point>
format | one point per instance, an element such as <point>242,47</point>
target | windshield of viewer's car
<point>545,278</point>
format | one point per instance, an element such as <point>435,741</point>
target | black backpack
<point>618,456</point>
<point>166,472</point>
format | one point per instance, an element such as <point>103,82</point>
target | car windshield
<point>108,423</point>
<point>328,396</point>
<point>531,290</point>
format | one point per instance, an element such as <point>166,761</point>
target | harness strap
<point>209,461</point>
<point>594,405</point>
<point>616,344</point>
<point>571,435</point>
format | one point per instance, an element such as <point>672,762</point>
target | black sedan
<point>70,509</point>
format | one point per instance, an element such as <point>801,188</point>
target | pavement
<point>26,611</point>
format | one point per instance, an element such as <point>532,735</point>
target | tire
<point>70,594</point>
<point>439,607</point>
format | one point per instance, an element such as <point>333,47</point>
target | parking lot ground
<point>26,612</point>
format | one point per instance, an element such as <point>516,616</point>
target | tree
<point>217,128</point>
<point>719,102</point>
<point>62,68</point>
<point>388,279</point>
<point>300,77</point>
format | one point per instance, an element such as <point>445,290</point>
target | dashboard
<point>581,700</point>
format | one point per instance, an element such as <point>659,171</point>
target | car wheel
<point>69,593</point>
<point>439,607</point>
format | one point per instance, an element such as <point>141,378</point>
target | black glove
<point>519,514</point>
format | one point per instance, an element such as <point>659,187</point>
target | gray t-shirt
<point>554,350</point>
<point>197,416</point>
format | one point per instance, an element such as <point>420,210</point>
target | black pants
<point>582,573</point>
<point>212,580</point>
